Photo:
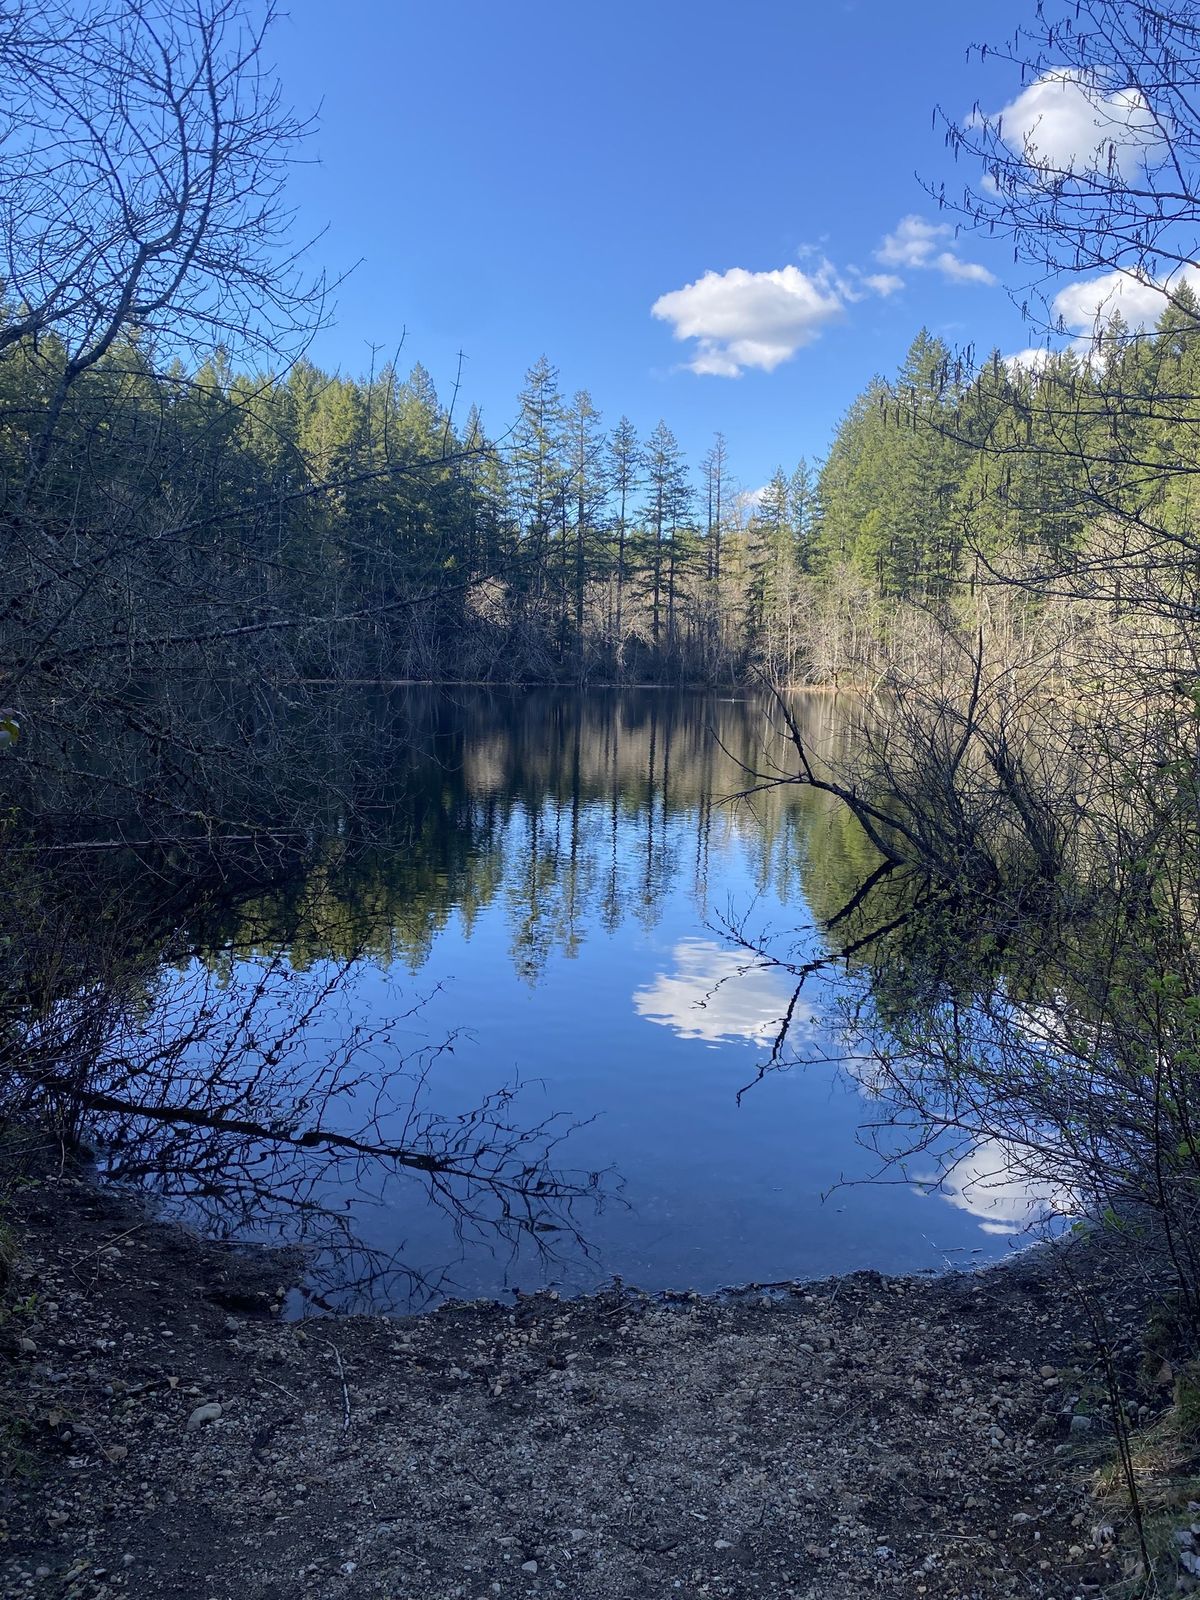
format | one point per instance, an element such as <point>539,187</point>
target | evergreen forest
<point>393,539</point>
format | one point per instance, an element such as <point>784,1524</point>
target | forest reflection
<point>444,1032</point>
<point>568,811</point>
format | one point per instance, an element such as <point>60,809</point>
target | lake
<point>556,881</point>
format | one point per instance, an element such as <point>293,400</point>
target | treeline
<point>384,536</point>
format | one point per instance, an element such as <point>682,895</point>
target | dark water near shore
<point>559,887</point>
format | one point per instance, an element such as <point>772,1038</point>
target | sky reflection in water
<point>564,866</point>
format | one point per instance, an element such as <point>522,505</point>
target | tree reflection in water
<point>236,1024</point>
<point>253,1104</point>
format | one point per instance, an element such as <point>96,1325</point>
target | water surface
<point>559,880</point>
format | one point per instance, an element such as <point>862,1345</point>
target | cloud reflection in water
<point>987,1182</point>
<point>718,995</point>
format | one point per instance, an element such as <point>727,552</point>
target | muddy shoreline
<point>167,1434</point>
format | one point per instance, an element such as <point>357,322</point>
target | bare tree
<point>1020,968</point>
<point>142,165</point>
<point>156,620</point>
<point>1094,167</point>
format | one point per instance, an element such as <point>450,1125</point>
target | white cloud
<point>750,319</point>
<point>739,319</point>
<point>713,995</point>
<point>912,244</point>
<point>916,243</point>
<point>884,283</point>
<point>1065,122</point>
<point>1035,359</point>
<point>1083,309</point>
<point>962,271</point>
<point>1085,306</point>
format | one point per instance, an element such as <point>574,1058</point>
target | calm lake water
<point>563,872</point>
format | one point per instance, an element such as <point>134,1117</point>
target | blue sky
<point>537,178</point>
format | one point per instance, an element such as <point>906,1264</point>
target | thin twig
<point>337,1354</point>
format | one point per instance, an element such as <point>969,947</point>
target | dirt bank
<point>856,1437</point>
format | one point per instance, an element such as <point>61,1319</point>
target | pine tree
<point>537,470</point>
<point>666,492</point>
<point>588,490</point>
<point>804,513</point>
<point>715,468</point>
<point>772,576</point>
<point>624,479</point>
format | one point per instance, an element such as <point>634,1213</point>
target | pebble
<point>202,1414</point>
<point>530,1567</point>
<point>1081,1424</point>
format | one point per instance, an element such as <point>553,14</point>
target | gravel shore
<point>167,1434</point>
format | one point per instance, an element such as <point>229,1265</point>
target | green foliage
<point>889,490</point>
<point>396,539</point>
